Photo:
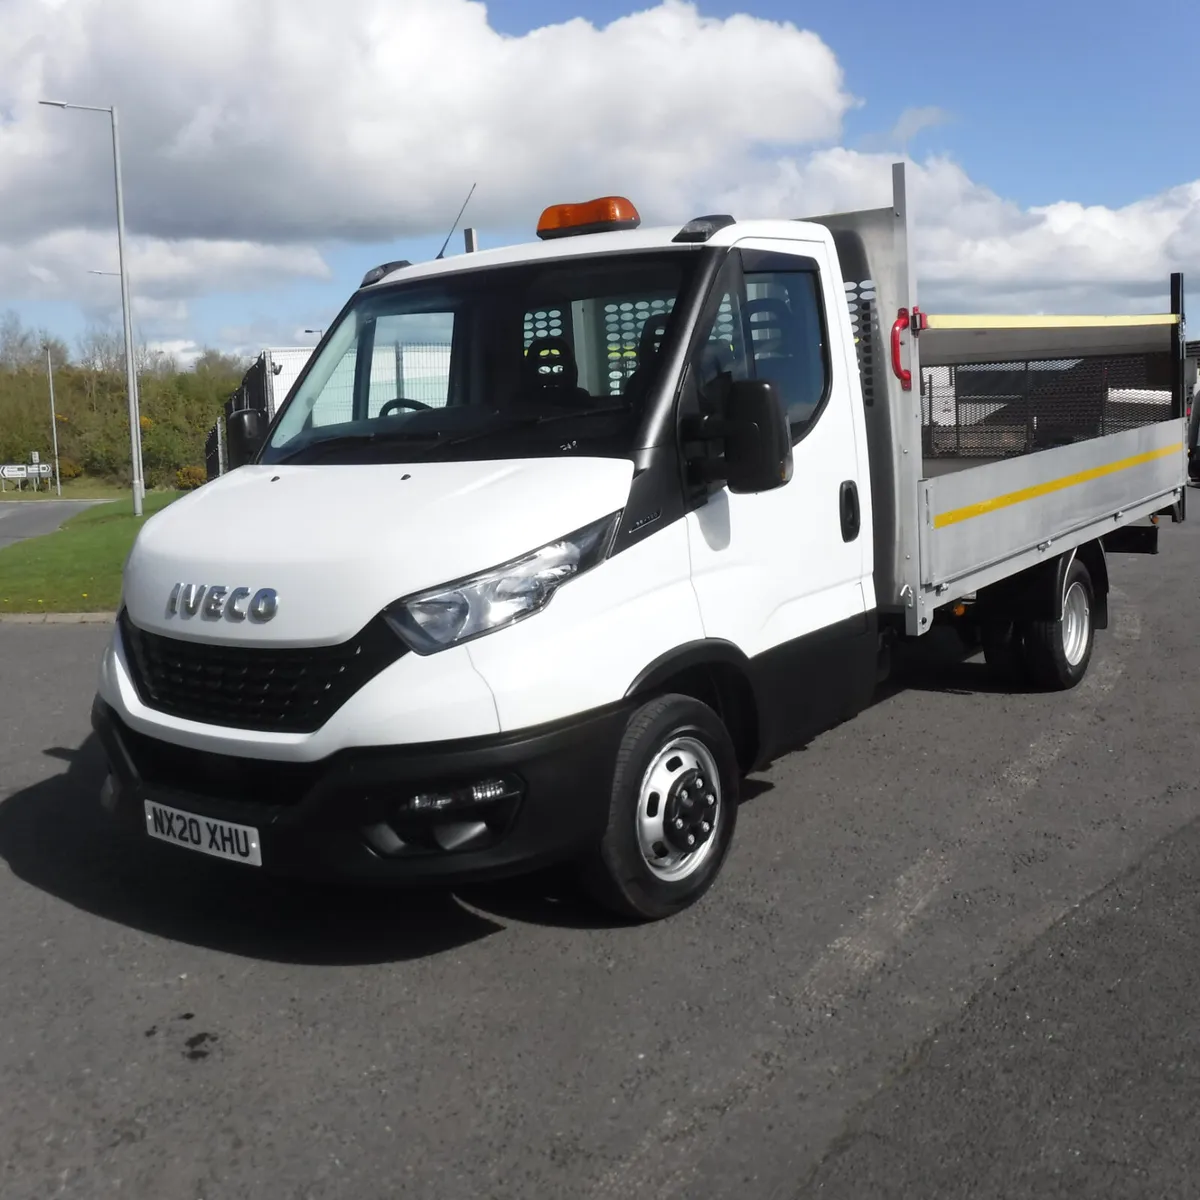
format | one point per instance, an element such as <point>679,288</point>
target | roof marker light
<point>595,216</point>
<point>700,229</point>
<point>375,274</point>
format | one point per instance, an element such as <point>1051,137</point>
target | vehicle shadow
<point>55,836</point>
<point>941,662</point>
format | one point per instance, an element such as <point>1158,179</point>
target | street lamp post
<point>53,419</point>
<point>135,430</point>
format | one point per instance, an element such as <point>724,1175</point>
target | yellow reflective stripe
<point>1054,485</point>
<point>1007,321</point>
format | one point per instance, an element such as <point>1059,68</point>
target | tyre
<point>1058,652</point>
<point>672,814</point>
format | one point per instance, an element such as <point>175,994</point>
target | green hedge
<point>177,410</point>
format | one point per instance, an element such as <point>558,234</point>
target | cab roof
<point>663,237</point>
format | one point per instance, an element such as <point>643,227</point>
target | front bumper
<point>339,818</point>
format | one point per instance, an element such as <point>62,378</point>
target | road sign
<point>14,471</point>
<point>33,456</point>
<point>44,470</point>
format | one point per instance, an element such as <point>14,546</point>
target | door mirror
<point>245,430</point>
<point>758,439</point>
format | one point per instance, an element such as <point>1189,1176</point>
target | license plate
<point>221,839</point>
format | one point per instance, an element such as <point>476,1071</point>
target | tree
<point>214,362</point>
<point>102,349</point>
<point>24,349</point>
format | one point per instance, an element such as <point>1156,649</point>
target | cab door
<point>785,574</point>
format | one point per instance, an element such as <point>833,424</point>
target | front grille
<point>248,687</point>
<point>220,777</point>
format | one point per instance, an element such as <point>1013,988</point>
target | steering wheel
<point>400,402</point>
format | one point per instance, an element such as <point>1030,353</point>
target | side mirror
<point>758,443</point>
<point>758,439</point>
<point>245,430</point>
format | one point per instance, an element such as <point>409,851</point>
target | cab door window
<point>787,334</point>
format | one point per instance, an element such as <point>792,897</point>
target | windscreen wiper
<point>359,439</point>
<point>513,423</point>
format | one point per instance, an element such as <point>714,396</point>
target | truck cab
<point>551,596</point>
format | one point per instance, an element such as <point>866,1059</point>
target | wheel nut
<point>704,825</point>
<point>683,794</point>
<point>699,781</point>
<point>711,801</point>
<point>678,823</point>
<point>691,839</point>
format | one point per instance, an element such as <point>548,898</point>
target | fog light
<point>486,791</point>
<point>489,789</point>
<point>430,800</point>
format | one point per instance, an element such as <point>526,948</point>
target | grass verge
<point>78,568</point>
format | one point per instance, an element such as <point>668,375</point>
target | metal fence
<point>998,410</point>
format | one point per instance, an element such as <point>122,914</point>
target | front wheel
<point>672,813</point>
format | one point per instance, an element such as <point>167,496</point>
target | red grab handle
<point>898,327</point>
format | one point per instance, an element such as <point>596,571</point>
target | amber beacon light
<point>594,216</point>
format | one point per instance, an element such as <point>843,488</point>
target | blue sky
<point>1039,102</point>
<point>1089,100</point>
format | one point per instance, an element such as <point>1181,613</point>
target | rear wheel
<point>1058,652</point>
<point>672,812</point>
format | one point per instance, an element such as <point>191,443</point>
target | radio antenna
<point>442,252</point>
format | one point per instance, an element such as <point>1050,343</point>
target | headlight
<point>459,612</point>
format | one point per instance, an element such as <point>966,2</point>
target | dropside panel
<point>983,518</point>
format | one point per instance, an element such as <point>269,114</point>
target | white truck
<point>674,495</point>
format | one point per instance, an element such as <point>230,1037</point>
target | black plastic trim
<point>707,652</point>
<point>660,425</point>
<point>263,688</point>
<point>312,820</point>
<point>814,682</point>
<point>375,274</point>
<point>700,229</point>
<point>850,511</point>
<point>655,497</point>
<point>800,688</point>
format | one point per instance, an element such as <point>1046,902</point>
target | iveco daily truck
<point>660,504</point>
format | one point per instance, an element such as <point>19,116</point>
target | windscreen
<point>538,359</point>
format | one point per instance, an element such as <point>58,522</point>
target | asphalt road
<point>20,519</point>
<point>954,953</point>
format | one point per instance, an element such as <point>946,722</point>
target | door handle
<point>851,515</point>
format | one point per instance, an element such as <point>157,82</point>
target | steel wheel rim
<point>682,770</point>
<point>1077,617</point>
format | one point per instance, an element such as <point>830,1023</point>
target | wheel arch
<point>715,673</point>
<point>1036,594</point>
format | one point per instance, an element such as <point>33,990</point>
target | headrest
<point>550,362</point>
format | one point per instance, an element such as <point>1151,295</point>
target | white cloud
<point>915,120</point>
<point>976,250</point>
<point>182,351</point>
<point>253,131</point>
<point>369,119</point>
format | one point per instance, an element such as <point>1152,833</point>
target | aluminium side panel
<point>872,251</point>
<point>995,516</point>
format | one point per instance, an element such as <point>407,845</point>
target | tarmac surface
<point>21,519</point>
<point>955,952</point>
